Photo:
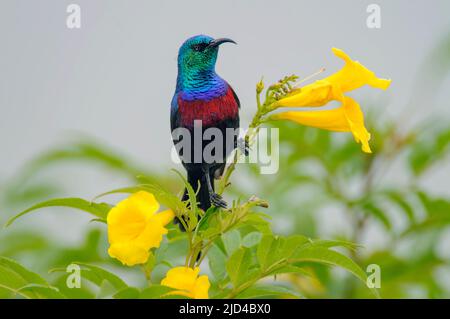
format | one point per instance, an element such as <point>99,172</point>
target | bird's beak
<point>217,42</point>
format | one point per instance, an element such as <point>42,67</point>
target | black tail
<point>195,178</point>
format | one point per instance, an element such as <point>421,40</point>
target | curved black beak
<point>217,42</point>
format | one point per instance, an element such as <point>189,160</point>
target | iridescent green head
<point>197,57</point>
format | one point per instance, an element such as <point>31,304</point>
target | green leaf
<point>105,275</point>
<point>431,148</point>
<point>272,250</point>
<point>217,262</point>
<point>251,239</point>
<point>191,193</point>
<point>87,150</point>
<point>437,214</point>
<point>97,275</point>
<point>266,247</point>
<point>99,210</point>
<point>290,269</point>
<point>377,213</point>
<point>327,243</point>
<point>20,241</point>
<point>22,272</point>
<point>268,291</point>
<point>238,266</point>
<point>231,241</point>
<point>156,291</point>
<point>329,257</point>
<point>258,222</point>
<point>399,199</point>
<point>42,291</point>
<point>14,276</point>
<point>203,223</point>
<point>127,293</point>
<point>161,194</point>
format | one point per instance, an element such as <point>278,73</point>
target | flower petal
<point>346,118</point>
<point>354,75</point>
<point>350,77</point>
<point>165,217</point>
<point>125,222</point>
<point>152,235</point>
<point>134,228</point>
<point>202,286</point>
<point>128,253</point>
<point>187,282</point>
<point>318,93</point>
<point>355,118</point>
<point>145,201</point>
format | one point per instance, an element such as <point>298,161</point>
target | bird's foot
<point>243,146</point>
<point>217,200</point>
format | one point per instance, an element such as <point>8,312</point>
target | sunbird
<point>203,97</point>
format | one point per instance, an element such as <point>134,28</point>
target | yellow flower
<point>348,117</point>
<point>134,228</point>
<point>187,282</point>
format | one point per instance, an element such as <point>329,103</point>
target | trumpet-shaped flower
<point>134,228</point>
<point>346,118</point>
<point>187,282</point>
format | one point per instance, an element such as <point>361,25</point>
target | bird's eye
<point>198,47</point>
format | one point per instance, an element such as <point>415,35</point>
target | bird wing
<point>174,112</point>
<point>235,97</point>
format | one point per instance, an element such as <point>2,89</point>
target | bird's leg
<point>215,198</point>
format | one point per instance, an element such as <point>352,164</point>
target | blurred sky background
<point>114,78</point>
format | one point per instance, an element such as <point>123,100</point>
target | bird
<point>202,96</point>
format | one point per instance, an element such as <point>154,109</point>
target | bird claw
<point>217,200</point>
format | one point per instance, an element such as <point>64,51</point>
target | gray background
<point>114,77</point>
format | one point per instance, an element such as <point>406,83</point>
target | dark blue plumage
<point>201,94</point>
